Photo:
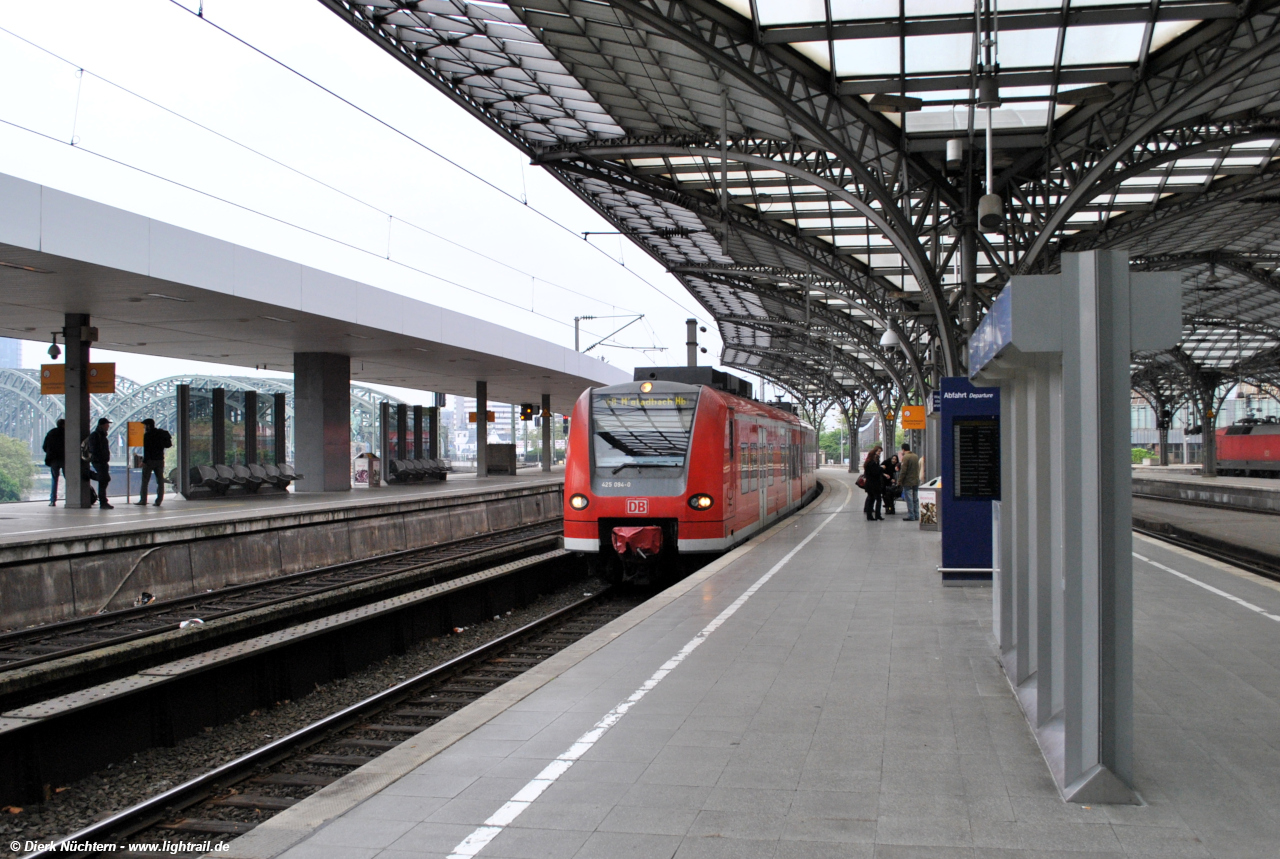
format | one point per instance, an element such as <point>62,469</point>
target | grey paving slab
<point>854,708</point>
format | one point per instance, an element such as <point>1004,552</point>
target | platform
<point>57,563</point>
<point>1244,493</point>
<point>27,525</point>
<point>848,706</point>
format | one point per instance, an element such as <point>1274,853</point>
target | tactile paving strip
<point>94,695</point>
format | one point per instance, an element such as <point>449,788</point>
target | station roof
<point>156,289</point>
<point>786,159</point>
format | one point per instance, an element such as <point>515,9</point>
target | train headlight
<point>701,502</point>
<point>578,502</point>
<point>646,387</point>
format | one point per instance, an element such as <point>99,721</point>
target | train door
<point>762,465</point>
<point>790,460</point>
<point>730,478</point>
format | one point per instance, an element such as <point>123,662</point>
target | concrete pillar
<point>76,337</point>
<point>218,447</point>
<point>322,420</point>
<point>402,430</point>
<point>546,432</point>
<point>183,414</point>
<point>250,427</point>
<point>482,429</point>
<point>418,427</point>
<point>280,429</point>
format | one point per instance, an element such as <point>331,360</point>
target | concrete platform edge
<point>293,825</point>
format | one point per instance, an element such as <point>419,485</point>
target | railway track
<point>30,647</point>
<point>1236,556</point>
<point>237,796</point>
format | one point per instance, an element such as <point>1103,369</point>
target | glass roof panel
<point>944,53</point>
<point>916,8</point>
<point>1020,49</point>
<point>867,57</point>
<point>851,10</point>
<point>1166,31</point>
<point>1021,115</point>
<point>819,52</point>
<point>1112,43</point>
<point>773,12</point>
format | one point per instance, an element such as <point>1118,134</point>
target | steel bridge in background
<point>28,415</point>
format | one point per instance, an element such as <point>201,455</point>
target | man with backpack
<point>96,450</point>
<point>154,442</point>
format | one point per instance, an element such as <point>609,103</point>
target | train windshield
<point>637,430</point>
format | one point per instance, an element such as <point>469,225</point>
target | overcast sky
<point>332,188</point>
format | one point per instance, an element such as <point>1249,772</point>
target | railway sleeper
<point>58,741</point>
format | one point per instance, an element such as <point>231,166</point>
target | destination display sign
<point>648,401</point>
<point>976,458</point>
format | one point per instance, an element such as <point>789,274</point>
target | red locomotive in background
<point>1250,448</point>
<point>659,470</point>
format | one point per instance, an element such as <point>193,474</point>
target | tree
<point>15,469</point>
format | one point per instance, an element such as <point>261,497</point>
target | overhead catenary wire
<point>415,141</point>
<point>81,72</point>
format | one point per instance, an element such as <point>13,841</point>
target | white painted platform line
<point>476,841</point>
<point>1210,588</point>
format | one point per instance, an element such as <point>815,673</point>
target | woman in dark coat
<point>873,484</point>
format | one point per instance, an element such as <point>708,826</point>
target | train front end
<point>634,483</point>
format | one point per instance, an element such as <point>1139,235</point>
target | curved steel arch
<point>922,271</point>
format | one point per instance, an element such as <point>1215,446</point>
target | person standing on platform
<point>154,442</point>
<point>100,460</point>
<point>910,482</point>
<point>873,484</point>
<point>890,483</point>
<point>54,456</point>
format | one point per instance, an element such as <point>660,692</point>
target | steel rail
<point>102,621</point>
<point>139,816</point>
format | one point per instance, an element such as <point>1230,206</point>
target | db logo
<point>637,506</point>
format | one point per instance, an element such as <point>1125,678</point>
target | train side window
<point>772,454</point>
<point>755,466</point>
<point>744,479</point>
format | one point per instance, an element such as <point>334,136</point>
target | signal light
<point>566,426</point>
<point>578,502</point>
<point>701,502</point>
<point>526,411</point>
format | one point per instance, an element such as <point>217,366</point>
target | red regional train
<point>1250,448</point>
<point>660,470</point>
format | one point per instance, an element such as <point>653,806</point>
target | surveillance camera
<point>54,351</point>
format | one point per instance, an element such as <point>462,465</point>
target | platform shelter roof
<point>156,289</point>
<point>787,159</point>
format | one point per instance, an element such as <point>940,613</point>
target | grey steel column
<point>384,436</point>
<point>1097,605</point>
<point>322,420</point>
<point>1043,549</point>
<point>402,430</point>
<point>417,432</point>
<point>77,337</point>
<point>250,427</point>
<point>182,412</point>
<point>691,341</point>
<point>546,432</point>
<point>218,447</point>
<point>280,429</point>
<point>433,432</point>
<point>482,429</point>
